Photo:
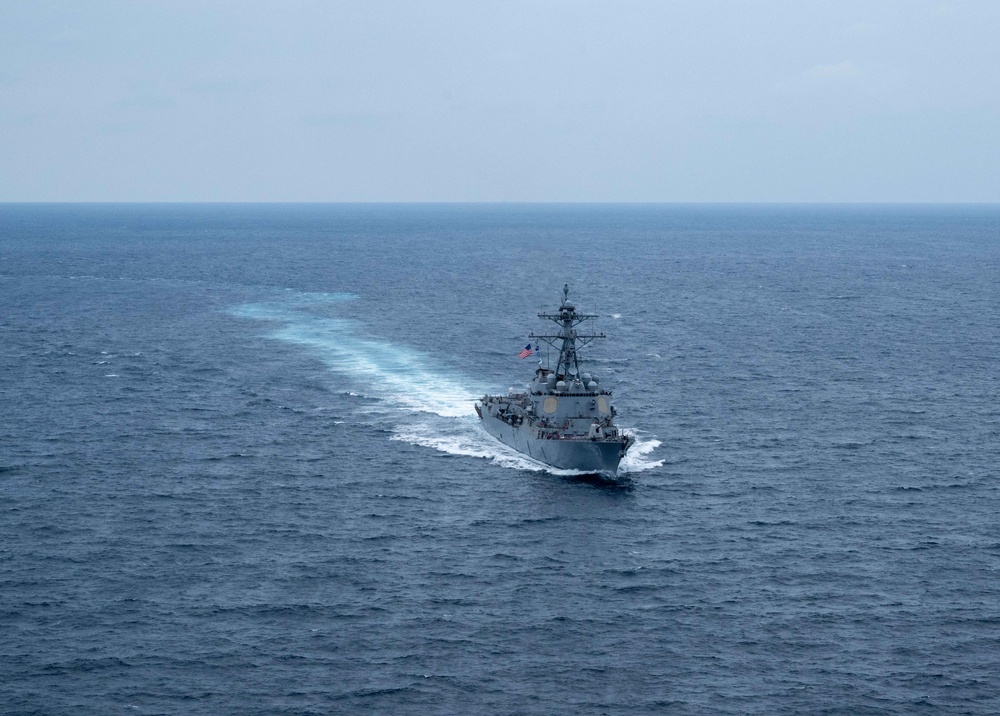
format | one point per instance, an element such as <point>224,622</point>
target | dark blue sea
<point>240,472</point>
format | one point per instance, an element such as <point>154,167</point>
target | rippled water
<point>240,472</point>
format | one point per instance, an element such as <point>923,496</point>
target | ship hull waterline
<point>586,456</point>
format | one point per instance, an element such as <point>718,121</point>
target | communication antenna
<point>569,340</point>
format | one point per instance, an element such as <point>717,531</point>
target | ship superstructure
<point>565,418</point>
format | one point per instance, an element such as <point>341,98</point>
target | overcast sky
<point>475,100</point>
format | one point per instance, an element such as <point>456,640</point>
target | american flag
<point>526,352</point>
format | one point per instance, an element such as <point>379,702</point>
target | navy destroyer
<point>564,418</point>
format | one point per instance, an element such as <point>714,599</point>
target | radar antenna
<point>569,340</point>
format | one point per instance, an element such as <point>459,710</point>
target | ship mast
<point>569,339</point>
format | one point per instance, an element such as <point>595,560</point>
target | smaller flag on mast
<point>526,352</point>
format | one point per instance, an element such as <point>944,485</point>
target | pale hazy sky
<point>470,100</point>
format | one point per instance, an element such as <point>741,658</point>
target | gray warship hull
<point>563,418</point>
<point>590,456</point>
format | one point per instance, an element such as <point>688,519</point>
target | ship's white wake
<point>421,401</point>
<point>638,457</point>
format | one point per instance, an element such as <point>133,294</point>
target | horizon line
<point>497,203</point>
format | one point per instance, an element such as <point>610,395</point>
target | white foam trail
<point>637,457</point>
<point>391,373</point>
<point>425,404</point>
<point>399,375</point>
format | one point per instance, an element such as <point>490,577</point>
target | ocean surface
<point>240,472</point>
